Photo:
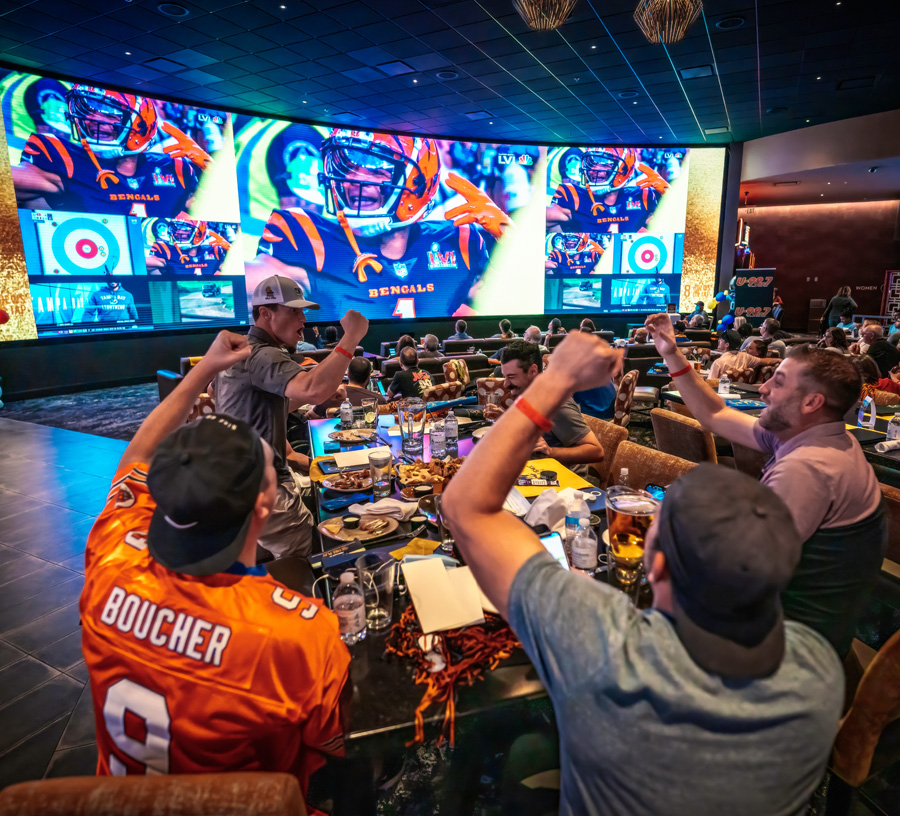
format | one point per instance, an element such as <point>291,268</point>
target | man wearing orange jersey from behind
<point>199,660</point>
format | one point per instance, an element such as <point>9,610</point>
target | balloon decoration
<point>4,316</point>
<point>727,320</point>
<point>723,297</point>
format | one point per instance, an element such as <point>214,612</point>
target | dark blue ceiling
<point>377,64</point>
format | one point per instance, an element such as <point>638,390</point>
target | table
<point>746,405</point>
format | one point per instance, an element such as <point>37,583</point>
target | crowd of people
<point>731,686</point>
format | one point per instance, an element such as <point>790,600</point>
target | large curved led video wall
<point>121,213</point>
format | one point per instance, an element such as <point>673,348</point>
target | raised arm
<point>227,349</point>
<point>319,384</point>
<point>494,543</point>
<point>708,408</point>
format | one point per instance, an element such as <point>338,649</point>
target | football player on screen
<point>106,167</point>
<point>572,254</point>
<point>378,252</point>
<point>617,193</point>
<point>192,249</point>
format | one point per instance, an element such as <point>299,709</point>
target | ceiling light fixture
<point>818,77</point>
<point>447,75</point>
<point>627,94</point>
<point>593,46</point>
<point>730,23</point>
<point>128,53</point>
<point>666,21</point>
<point>174,10</point>
<point>544,15</point>
<point>415,81</point>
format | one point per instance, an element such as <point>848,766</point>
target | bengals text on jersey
<point>202,260</point>
<point>630,212</point>
<point>434,275</point>
<point>160,187</point>
<point>227,672</point>
<point>575,263</point>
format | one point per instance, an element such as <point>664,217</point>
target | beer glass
<point>629,513</point>
<point>412,425</point>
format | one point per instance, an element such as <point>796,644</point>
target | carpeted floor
<point>113,412</point>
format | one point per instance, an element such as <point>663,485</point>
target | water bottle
<point>623,477</point>
<point>576,512</point>
<point>451,433</point>
<point>584,548</point>
<point>893,428</point>
<point>346,414</point>
<point>438,441</point>
<point>724,385</point>
<point>350,607</point>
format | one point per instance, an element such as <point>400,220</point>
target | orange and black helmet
<point>111,123</point>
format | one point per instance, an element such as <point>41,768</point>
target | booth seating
<point>624,398</point>
<point>555,339</point>
<point>456,369</point>
<point>453,348</point>
<point>493,385</point>
<point>476,364</point>
<point>608,336</point>
<point>610,436</point>
<point>682,436</point>
<point>648,466</point>
<point>167,381</point>
<point>443,391</point>
<point>701,335</point>
<point>637,351</point>
<point>223,794</point>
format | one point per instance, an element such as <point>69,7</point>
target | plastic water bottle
<point>724,385</point>
<point>893,428</point>
<point>576,512</point>
<point>584,548</point>
<point>346,414</point>
<point>451,432</point>
<point>438,441</point>
<point>350,607</point>
<point>623,477</point>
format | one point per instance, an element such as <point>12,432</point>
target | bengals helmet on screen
<point>379,181</point>
<point>605,169</point>
<point>187,232</point>
<point>111,123</point>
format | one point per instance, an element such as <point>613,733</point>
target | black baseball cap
<point>731,547</point>
<point>205,479</point>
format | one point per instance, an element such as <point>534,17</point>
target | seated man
<point>709,703</point>
<point>771,332</point>
<point>885,354</point>
<point>461,327</point>
<point>410,380</point>
<point>817,469</point>
<point>729,343</point>
<point>533,335</point>
<point>847,324</point>
<point>432,347</point>
<point>200,662</point>
<point>358,373</point>
<point>569,440</point>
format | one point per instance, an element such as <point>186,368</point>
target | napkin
<point>358,457</point>
<point>887,447</point>
<point>443,598</point>
<point>550,509</point>
<point>394,508</point>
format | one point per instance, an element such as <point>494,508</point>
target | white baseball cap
<point>279,290</point>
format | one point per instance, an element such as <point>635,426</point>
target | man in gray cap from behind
<point>707,704</point>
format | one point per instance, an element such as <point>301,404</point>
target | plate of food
<point>349,482</point>
<point>365,528</point>
<point>353,436</point>
<point>437,471</point>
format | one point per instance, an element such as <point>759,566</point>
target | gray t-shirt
<point>644,730</point>
<point>253,390</point>
<point>568,426</point>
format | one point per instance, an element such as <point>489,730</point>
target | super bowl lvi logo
<point>441,260</point>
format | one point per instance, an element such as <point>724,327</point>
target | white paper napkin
<point>358,457</point>
<point>550,509</point>
<point>394,508</point>
<point>885,447</point>
<point>444,599</point>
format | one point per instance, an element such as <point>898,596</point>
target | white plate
<point>479,432</point>
<point>606,537</point>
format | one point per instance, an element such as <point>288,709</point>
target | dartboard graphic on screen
<point>646,254</point>
<point>78,244</point>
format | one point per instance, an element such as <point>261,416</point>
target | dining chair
<point>625,398</point>
<point>649,466</point>
<point>610,436</point>
<point>493,385</point>
<point>223,794</point>
<point>749,460</point>
<point>443,391</point>
<point>682,436</point>
<point>456,370</point>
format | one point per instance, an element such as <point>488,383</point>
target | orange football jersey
<point>200,674</point>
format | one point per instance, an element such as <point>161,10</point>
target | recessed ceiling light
<point>828,182</point>
<point>818,77</point>
<point>282,7</point>
<point>490,123</point>
<point>415,80</point>
<point>660,137</point>
<point>821,195</point>
<point>729,23</point>
<point>807,120</point>
<point>304,101</point>
<point>173,10</point>
<point>593,46</point>
<point>447,75</point>
<point>128,53</point>
<point>627,94</point>
<point>634,103</point>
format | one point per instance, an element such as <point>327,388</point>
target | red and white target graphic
<point>81,244</point>
<point>646,254</point>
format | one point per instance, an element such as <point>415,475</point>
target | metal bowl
<point>427,509</point>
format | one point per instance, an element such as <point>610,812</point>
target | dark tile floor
<point>52,484</point>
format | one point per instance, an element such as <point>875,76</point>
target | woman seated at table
<point>883,390</point>
<point>835,340</point>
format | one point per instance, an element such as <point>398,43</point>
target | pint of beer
<point>630,513</point>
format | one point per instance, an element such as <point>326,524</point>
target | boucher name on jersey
<point>206,261</point>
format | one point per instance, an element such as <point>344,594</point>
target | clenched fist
<point>355,326</point>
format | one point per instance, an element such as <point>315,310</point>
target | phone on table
<point>657,491</point>
<point>553,543</point>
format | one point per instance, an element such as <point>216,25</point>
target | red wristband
<point>533,414</point>
<point>683,371</point>
<point>346,353</point>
